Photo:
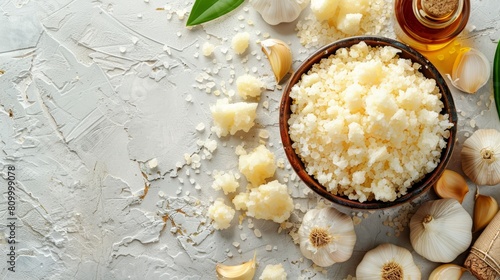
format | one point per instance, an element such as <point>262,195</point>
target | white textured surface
<point>99,90</point>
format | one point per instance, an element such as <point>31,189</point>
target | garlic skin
<point>471,70</point>
<point>279,55</point>
<point>244,271</point>
<point>481,157</point>
<point>441,230</point>
<point>485,209</point>
<point>387,261</point>
<point>277,11</point>
<point>326,236</point>
<point>447,271</point>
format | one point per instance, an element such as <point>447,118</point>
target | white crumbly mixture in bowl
<point>367,124</point>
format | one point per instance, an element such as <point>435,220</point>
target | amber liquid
<point>410,29</point>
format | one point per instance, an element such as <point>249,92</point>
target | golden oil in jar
<point>430,25</point>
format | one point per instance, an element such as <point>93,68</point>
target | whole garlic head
<point>387,261</point>
<point>278,11</point>
<point>441,230</point>
<point>481,157</point>
<point>326,236</point>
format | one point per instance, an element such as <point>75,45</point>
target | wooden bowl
<point>427,69</point>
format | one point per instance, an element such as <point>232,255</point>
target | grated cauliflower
<point>367,124</point>
<point>270,201</point>
<point>221,214</point>
<point>232,117</point>
<point>258,165</point>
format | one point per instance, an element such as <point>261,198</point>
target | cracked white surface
<point>101,101</point>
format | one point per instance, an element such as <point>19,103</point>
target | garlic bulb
<point>451,185</point>
<point>387,261</point>
<point>326,236</point>
<point>279,55</point>
<point>278,11</point>
<point>447,271</point>
<point>440,230</point>
<point>485,209</point>
<point>481,157</point>
<point>244,271</point>
<point>471,70</point>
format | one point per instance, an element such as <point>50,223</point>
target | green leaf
<point>496,78</point>
<point>207,10</point>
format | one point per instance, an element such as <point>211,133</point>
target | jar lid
<point>439,9</point>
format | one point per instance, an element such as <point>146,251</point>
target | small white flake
<point>139,15</point>
<point>200,127</point>
<point>257,233</point>
<point>236,244</point>
<point>269,248</point>
<point>123,49</point>
<point>265,104</point>
<point>189,98</point>
<point>181,14</point>
<point>243,236</point>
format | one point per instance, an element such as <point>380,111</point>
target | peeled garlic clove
<point>481,157</point>
<point>244,271</point>
<point>447,272</point>
<point>485,208</point>
<point>471,70</point>
<point>279,55</point>
<point>451,185</point>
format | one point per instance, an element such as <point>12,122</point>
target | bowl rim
<point>406,52</point>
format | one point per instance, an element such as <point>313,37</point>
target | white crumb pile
<point>367,124</point>
<point>273,272</point>
<point>317,30</point>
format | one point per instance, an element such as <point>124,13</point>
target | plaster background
<point>93,92</point>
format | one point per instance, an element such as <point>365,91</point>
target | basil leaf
<point>206,10</point>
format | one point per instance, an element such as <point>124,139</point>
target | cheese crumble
<point>367,124</point>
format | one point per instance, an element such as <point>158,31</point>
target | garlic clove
<point>447,272</point>
<point>471,70</point>
<point>451,185</point>
<point>485,208</point>
<point>279,55</point>
<point>480,157</point>
<point>244,271</point>
<point>277,11</point>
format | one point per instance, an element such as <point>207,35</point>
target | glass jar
<point>430,25</point>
